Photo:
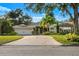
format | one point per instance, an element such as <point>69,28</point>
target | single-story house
<point>65,27</point>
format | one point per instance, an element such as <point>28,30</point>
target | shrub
<point>50,33</point>
<point>72,37</point>
<point>6,28</point>
<point>46,33</point>
<point>12,33</point>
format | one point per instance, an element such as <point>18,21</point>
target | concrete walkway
<point>35,40</point>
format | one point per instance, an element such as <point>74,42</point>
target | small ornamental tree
<point>6,27</point>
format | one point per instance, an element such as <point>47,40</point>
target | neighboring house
<point>65,27</point>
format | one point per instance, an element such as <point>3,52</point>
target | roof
<point>67,24</point>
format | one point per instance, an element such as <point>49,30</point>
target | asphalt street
<point>38,50</point>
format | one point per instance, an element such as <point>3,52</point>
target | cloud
<point>4,10</point>
<point>36,19</point>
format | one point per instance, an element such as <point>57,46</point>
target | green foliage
<point>72,37</point>
<point>15,13</point>
<point>10,21</point>
<point>61,38</point>
<point>39,30</point>
<point>36,30</point>
<point>6,28</point>
<point>14,22</point>
<point>46,33</point>
<point>12,33</point>
<point>65,9</point>
<point>47,20</point>
<point>49,33</point>
<point>18,17</point>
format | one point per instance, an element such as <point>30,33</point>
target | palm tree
<point>47,20</point>
<point>64,7</point>
<point>74,6</point>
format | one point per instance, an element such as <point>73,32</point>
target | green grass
<point>62,39</point>
<point>6,39</point>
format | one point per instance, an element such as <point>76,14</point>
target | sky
<point>6,7</point>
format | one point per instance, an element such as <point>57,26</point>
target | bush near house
<point>72,37</point>
<point>68,39</point>
<point>12,33</point>
<point>6,28</point>
<point>46,33</point>
<point>61,38</point>
<point>38,30</point>
<point>50,33</point>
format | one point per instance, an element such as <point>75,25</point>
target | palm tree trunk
<point>57,27</point>
<point>75,19</point>
<point>0,28</point>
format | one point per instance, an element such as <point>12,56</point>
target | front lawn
<point>6,39</point>
<point>62,39</point>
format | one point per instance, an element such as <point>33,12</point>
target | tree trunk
<point>0,29</point>
<point>75,19</point>
<point>57,27</point>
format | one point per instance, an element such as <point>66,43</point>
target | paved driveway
<point>37,46</point>
<point>35,40</point>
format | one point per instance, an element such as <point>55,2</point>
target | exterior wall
<point>52,28</point>
<point>65,30</point>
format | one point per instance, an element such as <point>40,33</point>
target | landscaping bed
<point>7,39</point>
<point>63,39</point>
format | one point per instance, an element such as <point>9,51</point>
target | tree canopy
<point>47,20</point>
<point>64,7</point>
<point>19,17</point>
